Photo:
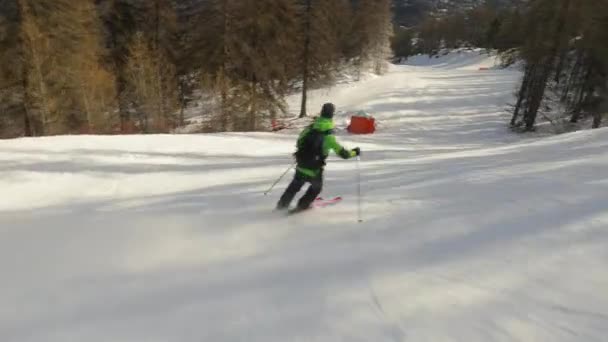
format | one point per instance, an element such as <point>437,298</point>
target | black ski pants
<point>299,180</point>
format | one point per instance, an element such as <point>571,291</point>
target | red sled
<point>362,125</point>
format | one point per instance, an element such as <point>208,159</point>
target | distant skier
<point>313,147</point>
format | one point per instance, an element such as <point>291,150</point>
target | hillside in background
<point>412,12</point>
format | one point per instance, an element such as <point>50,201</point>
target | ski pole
<point>359,214</point>
<point>280,178</point>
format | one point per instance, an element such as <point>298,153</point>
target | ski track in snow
<point>471,233</point>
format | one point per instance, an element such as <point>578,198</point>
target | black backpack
<point>310,150</point>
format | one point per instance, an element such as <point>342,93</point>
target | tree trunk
<point>538,91</point>
<point>89,111</point>
<point>522,94</point>
<point>161,112</point>
<point>225,113</point>
<point>45,108</point>
<point>123,108</point>
<point>597,120</point>
<point>182,101</point>
<point>603,109</point>
<point>156,24</point>
<point>252,122</point>
<point>562,62</point>
<point>578,105</point>
<point>28,128</point>
<point>161,116</point>
<point>306,58</point>
<point>574,75</point>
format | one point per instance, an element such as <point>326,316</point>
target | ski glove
<point>357,151</point>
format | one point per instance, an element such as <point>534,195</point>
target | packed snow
<point>470,233</point>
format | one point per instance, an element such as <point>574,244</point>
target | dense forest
<point>130,66</point>
<point>562,44</point>
<point>565,50</point>
<point>145,66</point>
<point>449,25</point>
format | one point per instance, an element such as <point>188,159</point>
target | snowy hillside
<point>470,232</point>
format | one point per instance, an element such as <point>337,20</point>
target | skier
<point>313,147</point>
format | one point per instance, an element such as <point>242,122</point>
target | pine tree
<point>402,43</point>
<point>65,83</point>
<point>564,59</point>
<point>380,45</point>
<point>320,44</point>
<point>429,37</point>
<point>546,26</point>
<point>14,120</point>
<point>511,34</point>
<point>373,30</point>
<point>251,52</point>
<point>265,57</point>
<point>151,85</point>
<point>119,18</point>
<point>218,46</point>
<point>48,40</point>
<point>95,86</point>
<point>36,56</point>
<point>593,44</point>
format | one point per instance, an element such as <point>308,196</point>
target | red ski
<point>320,202</point>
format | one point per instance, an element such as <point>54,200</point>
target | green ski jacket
<point>329,143</point>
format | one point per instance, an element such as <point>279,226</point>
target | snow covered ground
<point>470,233</point>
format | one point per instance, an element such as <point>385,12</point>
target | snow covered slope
<point>470,233</point>
<point>464,59</point>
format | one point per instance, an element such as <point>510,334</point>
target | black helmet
<point>328,111</point>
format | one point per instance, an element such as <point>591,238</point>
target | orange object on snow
<point>362,125</point>
<point>277,125</point>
